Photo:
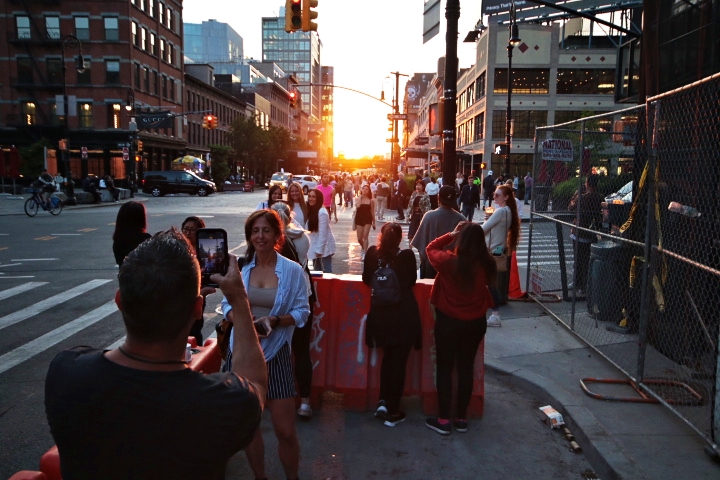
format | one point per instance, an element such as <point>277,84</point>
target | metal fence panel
<point>637,274</point>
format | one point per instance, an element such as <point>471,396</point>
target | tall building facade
<point>327,115</point>
<point>297,54</point>
<point>211,42</point>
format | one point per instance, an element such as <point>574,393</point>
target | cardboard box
<point>552,417</point>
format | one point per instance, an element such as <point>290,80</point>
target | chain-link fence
<point>624,244</point>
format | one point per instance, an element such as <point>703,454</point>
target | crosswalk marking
<point>20,289</point>
<point>32,348</point>
<point>91,229</point>
<point>49,303</point>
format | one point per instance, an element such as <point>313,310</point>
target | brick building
<point>133,65</point>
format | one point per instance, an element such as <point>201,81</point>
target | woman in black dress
<point>364,218</point>
<point>394,328</point>
<point>130,230</point>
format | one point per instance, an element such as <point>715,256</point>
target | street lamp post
<point>132,128</point>
<point>69,41</point>
<point>513,41</point>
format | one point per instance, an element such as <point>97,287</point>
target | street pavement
<point>532,360</point>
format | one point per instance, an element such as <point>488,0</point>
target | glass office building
<point>212,41</point>
<point>298,54</point>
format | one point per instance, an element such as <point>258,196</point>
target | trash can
<point>541,197</point>
<point>607,281</point>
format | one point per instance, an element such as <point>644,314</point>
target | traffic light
<point>483,166</point>
<point>137,158</point>
<point>502,149</point>
<point>206,121</point>
<point>293,99</point>
<point>293,13</point>
<point>212,122</point>
<point>308,15</point>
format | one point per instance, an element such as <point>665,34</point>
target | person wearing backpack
<point>393,322</point>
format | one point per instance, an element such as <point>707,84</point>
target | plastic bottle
<point>188,352</point>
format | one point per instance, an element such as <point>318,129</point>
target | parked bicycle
<point>54,205</point>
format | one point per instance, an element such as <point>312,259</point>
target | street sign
<point>559,149</point>
<point>397,116</point>
<point>121,145</point>
<point>83,152</point>
<point>126,153</point>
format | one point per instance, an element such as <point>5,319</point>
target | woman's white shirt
<point>322,242</point>
<point>298,217</point>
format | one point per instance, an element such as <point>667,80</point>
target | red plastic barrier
<point>29,475</point>
<point>342,363</point>
<point>50,464</point>
<point>207,360</point>
<point>514,290</point>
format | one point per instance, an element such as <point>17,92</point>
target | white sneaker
<point>494,320</point>
<point>305,410</point>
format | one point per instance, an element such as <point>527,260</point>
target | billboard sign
<point>493,7</point>
<point>558,149</point>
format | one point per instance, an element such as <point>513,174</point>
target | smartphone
<point>212,253</point>
<point>261,329</point>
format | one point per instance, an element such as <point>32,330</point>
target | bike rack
<point>643,397</point>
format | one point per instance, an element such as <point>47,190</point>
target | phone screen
<point>212,253</point>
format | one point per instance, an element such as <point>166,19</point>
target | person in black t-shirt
<point>138,411</point>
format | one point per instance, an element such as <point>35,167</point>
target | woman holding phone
<point>190,226</point>
<point>276,290</point>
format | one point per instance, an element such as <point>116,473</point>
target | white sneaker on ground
<point>494,320</point>
<point>305,410</point>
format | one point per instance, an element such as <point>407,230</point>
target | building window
<point>529,81</point>
<point>164,86</point>
<point>143,39</point>
<point>172,90</point>
<point>85,114</point>
<point>156,84</point>
<point>480,86</point>
<point>168,17</point>
<point>142,5</point>
<point>84,78</point>
<point>153,47</point>
<point>162,48</point>
<point>112,72</point>
<point>563,116</point>
<point>161,13</point>
<point>171,53</point>
<point>55,119</point>
<point>82,28</point>
<point>112,30</point>
<point>52,27</point>
<point>586,81</point>
<point>23,26</point>
<point>134,31</point>
<point>136,75</point>
<point>54,70</point>
<point>480,127</point>
<point>146,78</point>
<point>524,122</point>
<point>29,113</point>
<point>151,8</point>
<point>114,115</point>
<point>25,70</point>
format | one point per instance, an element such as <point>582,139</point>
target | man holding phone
<point>135,412</point>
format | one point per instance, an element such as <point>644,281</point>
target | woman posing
<point>502,232</point>
<point>296,201</point>
<point>418,206</point>
<point>461,297</point>
<point>322,240</point>
<point>274,195</point>
<point>190,227</point>
<point>299,244</point>
<point>277,293</point>
<point>364,218</point>
<point>433,189</point>
<point>130,230</point>
<point>394,328</point>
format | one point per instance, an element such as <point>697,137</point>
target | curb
<point>84,206</point>
<point>603,453</point>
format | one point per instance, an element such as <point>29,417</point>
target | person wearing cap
<point>435,224</point>
<point>488,189</point>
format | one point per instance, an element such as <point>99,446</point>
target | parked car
<point>159,183</point>
<point>279,178</point>
<point>307,182</point>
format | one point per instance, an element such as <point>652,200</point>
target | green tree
<point>221,155</point>
<point>33,158</point>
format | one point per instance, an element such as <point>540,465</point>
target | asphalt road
<point>57,283</point>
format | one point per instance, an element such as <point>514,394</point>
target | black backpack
<point>385,286</point>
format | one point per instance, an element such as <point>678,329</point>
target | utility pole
<point>452,14</point>
<point>394,162</point>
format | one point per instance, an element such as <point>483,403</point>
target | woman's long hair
<point>513,234</point>
<point>313,210</point>
<point>131,221</point>
<point>388,241</point>
<point>301,202</point>
<point>275,223</point>
<point>272,190</point>
<point>195,219</point>
<point>470,257</point>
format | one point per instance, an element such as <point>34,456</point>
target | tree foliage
<point>221,155</point>
<point>33,158</point>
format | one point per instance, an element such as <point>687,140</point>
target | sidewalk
<point>14,204</point>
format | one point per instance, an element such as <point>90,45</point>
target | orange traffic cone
<point>514,290</point>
